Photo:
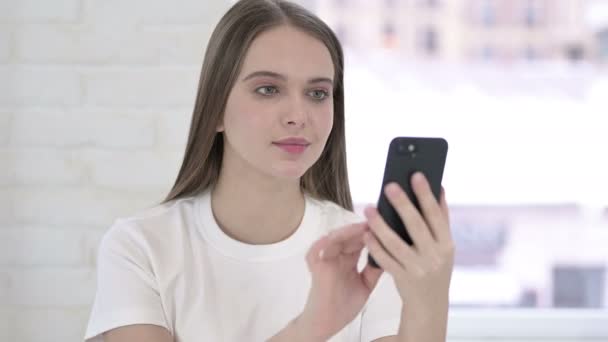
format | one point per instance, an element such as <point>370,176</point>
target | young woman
<point>257,240</point>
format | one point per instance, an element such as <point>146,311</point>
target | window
<point>579,286</point>
<point>429,3</point>
<point>389,35</point>
<point>428,41</point>
<point>488,13</point>
<point>340,32</point>
<point>526,188</point>
<point>531,13</point>
<point>575,52</point>
<point>342,3</point>
<point>602,38</point>
<point>487,53</point>
<point>530,53</point>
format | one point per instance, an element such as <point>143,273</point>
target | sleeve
<point>381,315</point>
<point>127,291</point>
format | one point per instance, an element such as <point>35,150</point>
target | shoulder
<point>149,229</point>
<point>335,216</point>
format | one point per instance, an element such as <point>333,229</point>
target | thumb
<point>371,275</point>
<point>313,256</point>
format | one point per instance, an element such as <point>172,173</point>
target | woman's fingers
<point>410,216</point>
<point>444,205</point>
<point>371,275</point>
<point>354,246</point>
<point>382,257</point>
<point>431,209</point>
<point>314,252</point>
<point>391,241</point>
<point>344,240</point>
<point>347,232</point>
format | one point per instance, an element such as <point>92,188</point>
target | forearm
<point>294,332</point>
<point>431,327</point>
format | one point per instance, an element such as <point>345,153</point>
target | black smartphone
<point>407,155</point>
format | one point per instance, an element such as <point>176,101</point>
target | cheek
<point>326,122</point>
<point>240,112</point>
<point>246,128</point>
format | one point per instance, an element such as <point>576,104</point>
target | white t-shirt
<point>172,266</point>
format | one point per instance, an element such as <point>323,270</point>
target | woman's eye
<point>266,90</point>
<point>319,94</point>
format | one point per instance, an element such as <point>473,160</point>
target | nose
<point>295,113</point>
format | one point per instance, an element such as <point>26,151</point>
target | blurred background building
<point>504,31</point>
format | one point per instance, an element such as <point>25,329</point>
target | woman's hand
<point>338,291</point>
<point>421,272</point>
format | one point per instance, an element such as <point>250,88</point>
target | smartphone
<point>407,155</point>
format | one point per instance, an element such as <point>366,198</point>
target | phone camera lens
<point>406,148</point>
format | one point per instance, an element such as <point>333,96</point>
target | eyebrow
<point>282,77</point>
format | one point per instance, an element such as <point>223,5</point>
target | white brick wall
<point>142,87</point>
<point>74,128</point>
<point>30,246</point>
<point>42,324</point>
<point>36,11</point>
<point>95,103</point>
<point>6,43</point>
<point>39,86</point>
<point>5,122</point>
<point>6,204</point>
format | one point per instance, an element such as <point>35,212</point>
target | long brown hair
<point>327,179</point>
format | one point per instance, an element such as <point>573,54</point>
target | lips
<point>293,141</point>
<point>292,145</point>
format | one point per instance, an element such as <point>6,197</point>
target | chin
<point>291,171</point>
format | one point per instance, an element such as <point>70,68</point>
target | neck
<point>256,209</point>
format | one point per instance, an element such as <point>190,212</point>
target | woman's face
<point>284,90</point>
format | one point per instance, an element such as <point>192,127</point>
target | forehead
<point>289,51</point>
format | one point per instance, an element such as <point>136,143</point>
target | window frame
<point>528,323</point>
